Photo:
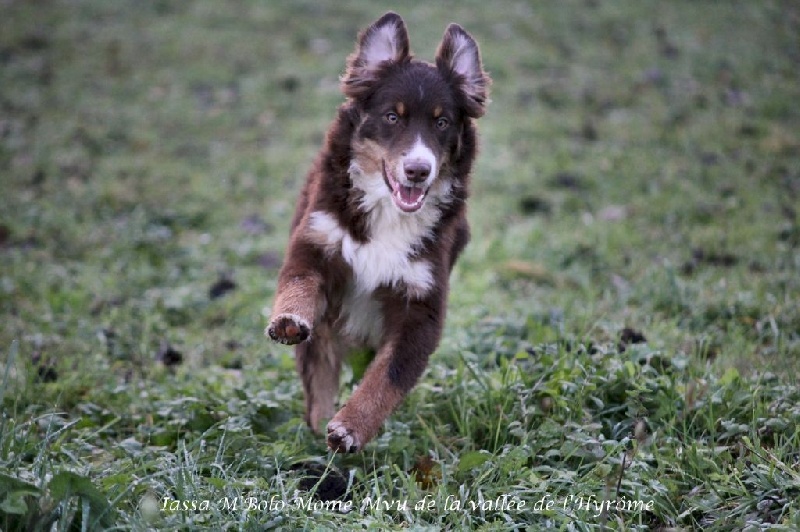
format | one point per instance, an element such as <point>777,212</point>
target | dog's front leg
<point>412,334</point>
<point>299,300</point>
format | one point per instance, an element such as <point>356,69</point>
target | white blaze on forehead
<point>419,152</point>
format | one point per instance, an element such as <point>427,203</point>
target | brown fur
<point>322,304</point>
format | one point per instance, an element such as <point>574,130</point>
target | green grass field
<point>623,340</point>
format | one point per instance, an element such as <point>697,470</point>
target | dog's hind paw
<point>288,329</point>
<point>341,439</point>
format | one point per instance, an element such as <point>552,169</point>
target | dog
<point>379,225</point>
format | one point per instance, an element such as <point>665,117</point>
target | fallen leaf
<point>221,287</point>
<point>426,472</point>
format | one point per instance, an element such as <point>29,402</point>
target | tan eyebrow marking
<point>437,112</point>
<point>401,108</point>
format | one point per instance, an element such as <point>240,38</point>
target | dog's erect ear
<point>385,41</point>
<point>458,54</point>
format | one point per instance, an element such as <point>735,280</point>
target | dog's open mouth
<point>408,198</point>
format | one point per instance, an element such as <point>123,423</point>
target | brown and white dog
<point>379,224</point>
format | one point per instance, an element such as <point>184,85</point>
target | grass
<point>623,328</point>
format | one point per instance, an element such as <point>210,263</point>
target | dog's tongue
<point>410,195</point>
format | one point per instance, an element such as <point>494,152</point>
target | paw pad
<point>341,439</point>
<point>288,329</point>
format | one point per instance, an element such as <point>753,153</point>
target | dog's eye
<point>442,123</point>
<point>391,118</point>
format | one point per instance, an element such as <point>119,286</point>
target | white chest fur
<point>385,260</point>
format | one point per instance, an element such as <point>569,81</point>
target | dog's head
<point>412,114</point>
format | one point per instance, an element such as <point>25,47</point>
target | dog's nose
<point>417,171</point>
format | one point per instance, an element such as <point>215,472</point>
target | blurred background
<point>639,167</point>
<point>628,306</point>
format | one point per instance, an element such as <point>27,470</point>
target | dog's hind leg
<point>319,362</point>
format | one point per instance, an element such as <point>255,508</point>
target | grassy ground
<point>623,327</point>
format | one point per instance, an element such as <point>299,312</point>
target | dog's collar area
<point>408,198</point>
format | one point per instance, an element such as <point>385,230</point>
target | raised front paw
<point>342,438</point>
<point>288,329</point>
